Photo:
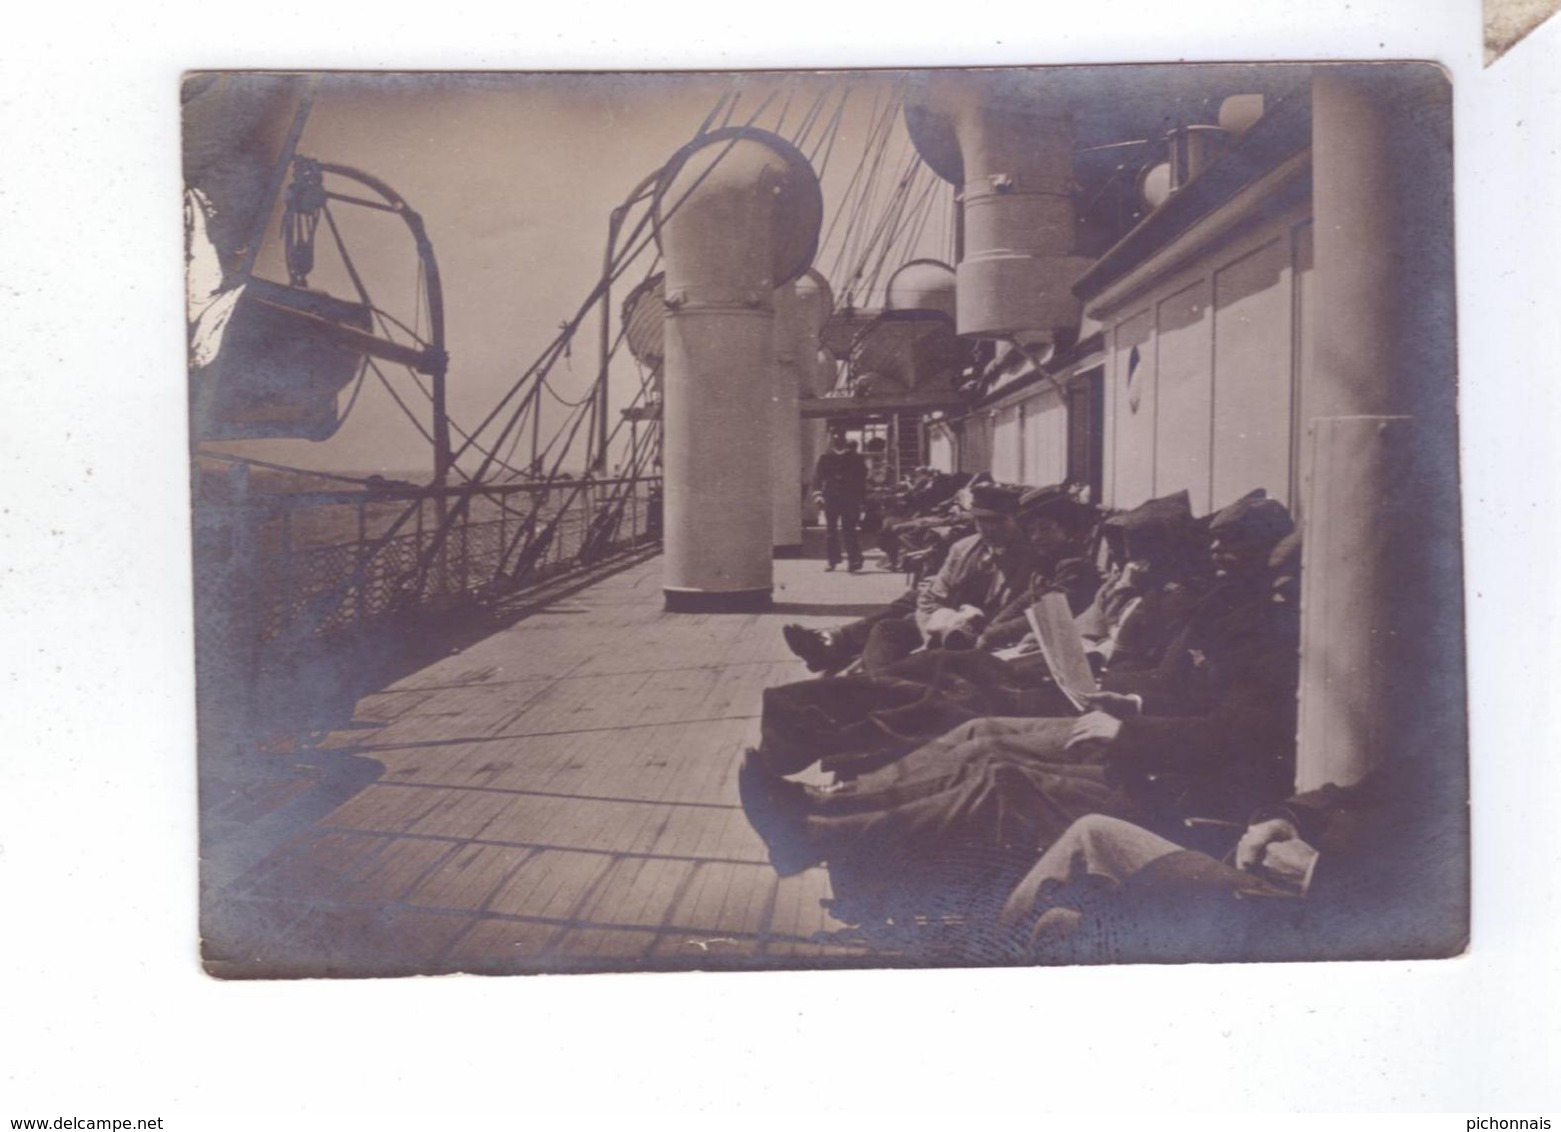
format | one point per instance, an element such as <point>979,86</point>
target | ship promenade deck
<point>559,796</point>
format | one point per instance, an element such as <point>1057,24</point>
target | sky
<point>515,177</point>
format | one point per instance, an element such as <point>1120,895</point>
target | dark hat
<point>1166,511</point>
<point>1052,500</point>
<point>1161,530</point>
<point>1253,516</point>
<point>1055,502</point>
<point>994,500</point>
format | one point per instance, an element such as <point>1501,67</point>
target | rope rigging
<point>639,239</point>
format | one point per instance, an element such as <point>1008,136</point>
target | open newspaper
<point>1062,647</point>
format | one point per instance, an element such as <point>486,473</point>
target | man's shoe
<point>829,567</point>
<point>816,649</point>
<point>1056,936</point>
<point>777,810</point>
<point>854,568</point>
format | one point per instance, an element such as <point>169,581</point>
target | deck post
<point>1382,653</point>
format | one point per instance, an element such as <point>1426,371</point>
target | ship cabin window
<point>1086,430</point>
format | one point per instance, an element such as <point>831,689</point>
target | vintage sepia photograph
<point>825,519</point>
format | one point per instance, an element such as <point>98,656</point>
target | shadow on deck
<point>557,796</point>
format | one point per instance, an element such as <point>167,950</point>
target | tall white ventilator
<point>737,215</point>
<point>1007,144</point>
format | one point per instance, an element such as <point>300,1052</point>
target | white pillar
<point>1382,657</point>
<point>737,214</point>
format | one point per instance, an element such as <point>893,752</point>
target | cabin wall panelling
<point>975,444</point>
<point>1131,403</point>
<point>1253,438</point>
<point>940,449</point>
<point>1184,390</point>
<point>1045,439</point>
<point>1218,362</point>
<point>1007,443</point>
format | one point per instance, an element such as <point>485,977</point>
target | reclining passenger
<point>1057,528</point>
<point>1218,716</point>
<point>1159,570</point>
<point>889,709</point>
<point>1372,870</point>
<point>929,508</point>
<point>983,571</point>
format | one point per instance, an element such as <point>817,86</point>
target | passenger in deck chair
<point>1210,733</point>
<point>1371,870</point>
<point>887,710</point>
<point>856,722</point>
<point>1057,528</point>
<point>931,505</point>
<point>1159,568</point>
<point>981,574</point>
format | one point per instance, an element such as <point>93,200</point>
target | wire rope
<point>811,117</point>
<point>861,191</point>
<point>550,354</point>
<point>363,372</point>
<point>829,134</point>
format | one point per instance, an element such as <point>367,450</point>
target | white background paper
<point>103,1008</point>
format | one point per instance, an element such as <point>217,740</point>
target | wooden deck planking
<point>638,892</point>
<point>460,815</point>
<point>633,763</point>
<point>727,898</point>
<point>588,824</point>
<point>456,765</point>
<point>551,885</point>
<point>313,869</point>
<point>398,868</point>
<point>495,946</point>
<point>681,832</point>
<point>470,879</point>
<point>594,949</point>
<point>474,712</point>
<point>528,820</point>
<point>562,795</point>
<point>799,917</point>
<point>382,808</point>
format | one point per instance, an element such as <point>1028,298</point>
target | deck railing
<point>328,563</point>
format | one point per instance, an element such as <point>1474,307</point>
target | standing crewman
<point>840,480</point>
